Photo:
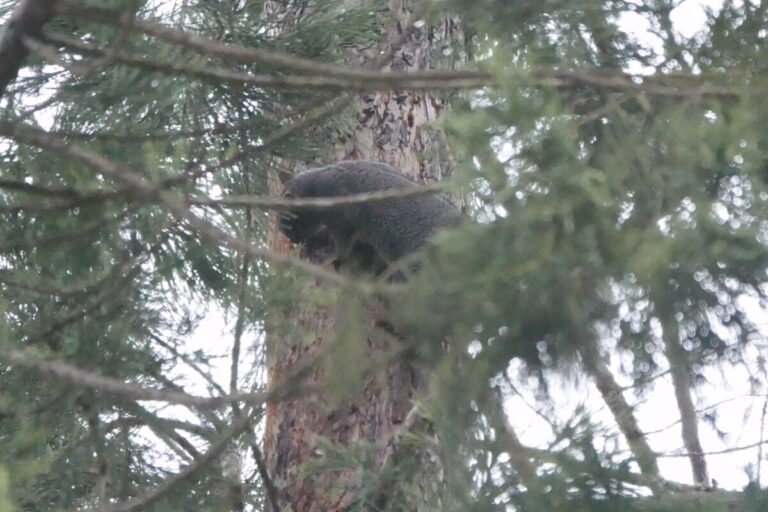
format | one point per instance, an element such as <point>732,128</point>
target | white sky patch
<point>690,16</point>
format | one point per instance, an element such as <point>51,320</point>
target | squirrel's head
<point>301,225</point>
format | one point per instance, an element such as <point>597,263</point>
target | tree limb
<point>173,202</point>
<point>681,381</point>
<point>611,392</point>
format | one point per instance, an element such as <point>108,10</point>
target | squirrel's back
<point>393,227</point>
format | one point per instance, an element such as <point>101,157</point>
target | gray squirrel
<point>367,236</point>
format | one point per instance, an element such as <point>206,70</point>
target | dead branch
<point>704,408</point>
<point>317,203</point>
<point>142,502</point>
<point>166,430</point>
<point>349,78</point>
<point>762,434</point>
<point>681,383</point>
<point>741,448</point>
<point>622,412</point>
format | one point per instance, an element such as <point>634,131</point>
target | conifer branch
<point>173,202</point>
<point>85,230</point>
<point>81,377</point>
<point>314,74</point>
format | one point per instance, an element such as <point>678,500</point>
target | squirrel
<point>367,236</point>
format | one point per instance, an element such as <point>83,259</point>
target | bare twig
<point>396,449</point>
<point>317,203</point>
<point>81,377</point>
<point>701,409</point>
<point>33,283</point>
<point>619,81</point>
<point>273,495</point>
<point>716,452</point>
<point>166,432</point>
<point>307,119</point>
<point>77,199</point>
<point>49,54</point>
<point>102,465</point>
<point>124,489</point>
<point>235,477</point>
<point>691,500</point>
<point>548,418</point>
<point>242,296</point>
<point>556,457</point>
<point>669,37</point>
<point>643,381</point>
<point>104,302</point>
<point>214,234</point>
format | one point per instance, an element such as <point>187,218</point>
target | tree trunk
<point>391,130</point>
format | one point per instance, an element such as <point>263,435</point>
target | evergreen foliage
<point>618,194</point>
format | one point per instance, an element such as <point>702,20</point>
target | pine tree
<point>615,244</point>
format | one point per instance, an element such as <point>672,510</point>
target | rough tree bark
<point>390,129</point>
